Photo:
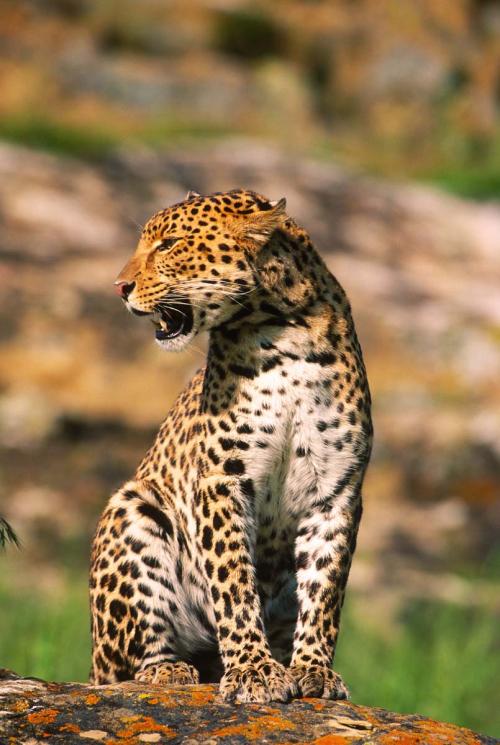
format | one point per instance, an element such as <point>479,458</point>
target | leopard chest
<point>301,435</point>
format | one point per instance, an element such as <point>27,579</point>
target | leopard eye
<point>166,243</point>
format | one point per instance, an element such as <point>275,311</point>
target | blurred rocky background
<point>379,122</point>
<point>406,87</point>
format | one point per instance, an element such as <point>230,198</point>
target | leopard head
<point>209,260</point>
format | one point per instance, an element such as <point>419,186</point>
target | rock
<point>26,418</point>
<point>34,711</point>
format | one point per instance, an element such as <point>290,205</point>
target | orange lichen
<point>92,699</point>
<point>45,716</point>
<point>429,732</point>
<point>202,697</point>
<point>199,696</point>
<point>140,724</point>
<point>255,729</point>
<point>444,732</point>
<point>317,704</point>
<point>331,740</point>
<point>20,705</point>
<point>69,728</point>
<point>166,700</point>
<point>400,737</point>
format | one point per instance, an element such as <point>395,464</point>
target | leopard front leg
<point>250,672</point>
<point>139,588</point>
<point>326,540</point>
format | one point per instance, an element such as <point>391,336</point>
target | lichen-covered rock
<point>33,711</point>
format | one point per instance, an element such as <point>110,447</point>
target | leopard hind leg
<point>150,605</point>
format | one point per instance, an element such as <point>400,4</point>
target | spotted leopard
<point>226,556</point>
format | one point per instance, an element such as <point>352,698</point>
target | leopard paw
<point>259,683</point>
<point>318,681</point>
<point>169,673</point>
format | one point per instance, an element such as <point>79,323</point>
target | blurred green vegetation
<point>46,636</point>
<point>476,182</point>
<point>441,661</point>
<point>93,143</point>
<point>470,174</point>
<point>40,132</point>
<point>469,167</point>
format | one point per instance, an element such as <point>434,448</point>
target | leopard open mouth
<point>173,319</point>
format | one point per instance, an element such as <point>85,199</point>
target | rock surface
<point>33,711</point>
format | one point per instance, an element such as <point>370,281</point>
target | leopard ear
<point>279,203</point>
<point>192,194</point>
<point>259,226</point>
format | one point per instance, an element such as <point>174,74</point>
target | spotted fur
<point>228,552</point>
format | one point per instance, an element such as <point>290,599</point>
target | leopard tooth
<point>157,320</point>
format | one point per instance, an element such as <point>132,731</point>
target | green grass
<point>471,177</point>
<point>478,183</point>
<point>93,143</point>
<point>443,661</point>
<point>470,166</point>
<point>42,133</point>
<point>46,637</point>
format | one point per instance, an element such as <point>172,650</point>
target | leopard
<point>225,558</point>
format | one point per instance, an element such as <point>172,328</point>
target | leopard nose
<point>123,289</point>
